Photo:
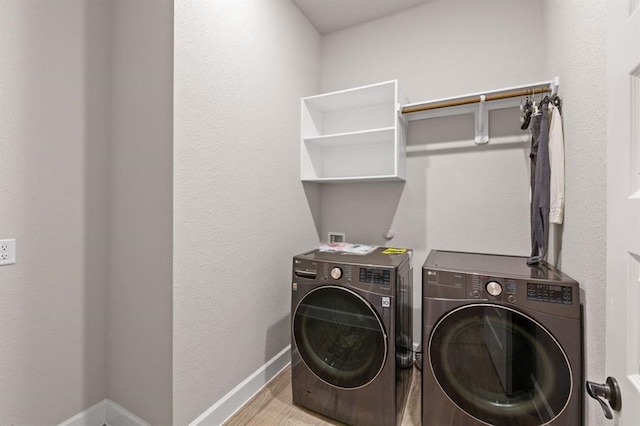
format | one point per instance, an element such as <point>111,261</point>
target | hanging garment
<point>540,181</point>
<point>556,163</point>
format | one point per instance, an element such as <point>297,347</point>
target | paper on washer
<point>347,248</point>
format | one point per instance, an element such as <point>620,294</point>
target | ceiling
<point>332,15</point>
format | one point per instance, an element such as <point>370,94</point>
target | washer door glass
<point>339,337</point>
<point>500,366</point>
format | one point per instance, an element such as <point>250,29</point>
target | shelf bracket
<point>481,116</point>
<point>555,84</point>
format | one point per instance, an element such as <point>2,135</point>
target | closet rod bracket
<point>481,117</point>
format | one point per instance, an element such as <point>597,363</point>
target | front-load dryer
<point>352,334</point>
<point>502,342</point>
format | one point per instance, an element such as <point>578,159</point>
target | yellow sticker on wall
<point>392,250</point>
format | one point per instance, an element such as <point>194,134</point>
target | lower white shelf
<point>370,156</point>
<point>342,179</point>
<point>373,136</point>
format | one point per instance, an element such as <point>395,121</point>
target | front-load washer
<point>351,325</point>
<point>502,342</point>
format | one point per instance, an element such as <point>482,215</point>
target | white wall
<point>458,196</point>
<point>240,211</point>
<point>53,200</point>
<point>477,198</point>
<point>576,50</point>
<point>84,83</point>
<point>139,304</point>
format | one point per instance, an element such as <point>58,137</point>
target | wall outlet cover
<point>336,237</point>
<point>7,252</point>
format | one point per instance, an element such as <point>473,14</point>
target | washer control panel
<point>343,273</point>
<point>336,273</point>
<point>494,288</point>
<point>375,276</point>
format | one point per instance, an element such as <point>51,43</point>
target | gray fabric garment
<point>540,193</point>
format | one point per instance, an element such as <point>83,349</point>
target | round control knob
<point>494,288</point>
<point>336,273</point>
<point>475,293</point>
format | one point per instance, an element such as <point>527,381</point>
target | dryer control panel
<point>552,291</point>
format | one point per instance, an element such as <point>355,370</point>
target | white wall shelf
<point>353,135</point>
<point>359,134</point>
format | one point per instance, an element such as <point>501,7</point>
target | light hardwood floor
<point>273,406</point>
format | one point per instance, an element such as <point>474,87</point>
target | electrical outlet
<point>337,237</point>
<point>7,252</point>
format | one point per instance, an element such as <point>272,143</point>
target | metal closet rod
<point>476,99</point>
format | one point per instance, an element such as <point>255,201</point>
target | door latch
<point>609,391</point>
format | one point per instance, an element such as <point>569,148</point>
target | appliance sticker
<point>392,250</point>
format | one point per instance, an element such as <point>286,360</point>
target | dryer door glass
<point>500,366</point>
<point>340,337</point>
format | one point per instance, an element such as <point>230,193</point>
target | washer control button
<point>336,273</point>
<point>494,288</point>
<point>511,298</point>
<point>475,293</point>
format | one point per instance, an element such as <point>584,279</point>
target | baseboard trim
<point>105,412</point>
<point>117,415</point>
<point>227,406</point>
<point>109,413</point>
<point>92,416</point>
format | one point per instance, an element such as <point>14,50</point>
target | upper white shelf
<point>355,98</point>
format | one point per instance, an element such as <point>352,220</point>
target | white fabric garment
<point>556,163</point>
